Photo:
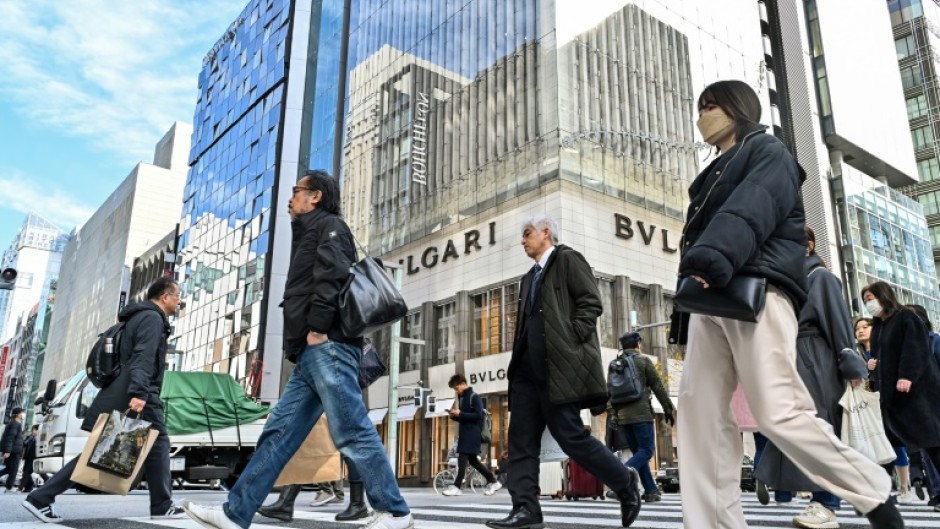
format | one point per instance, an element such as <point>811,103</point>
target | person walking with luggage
<point>325,378</point>
<point>29,456</point>
<point>142,350</point>
<point>11,446</point>
<point>555,372</point>
<point>908,377</point>
<point>826,360</point>
<point>745,221</point>
<point>469,414</point>
<point>635,415</point>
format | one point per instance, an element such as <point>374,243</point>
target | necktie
<point>534,287</point>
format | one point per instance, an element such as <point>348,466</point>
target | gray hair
<point>542,222</point>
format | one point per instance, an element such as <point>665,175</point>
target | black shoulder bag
<point>369,300</point>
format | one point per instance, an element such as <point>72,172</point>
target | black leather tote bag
<point>369,300</point>
<point>742,299</point>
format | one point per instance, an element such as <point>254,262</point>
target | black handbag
<point>371,367</point>
<point>742,299</point>
<point>369,300</point>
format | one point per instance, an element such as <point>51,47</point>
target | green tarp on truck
<point>199,402</point>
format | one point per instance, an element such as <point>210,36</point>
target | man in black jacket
<point>554,373</point>
<point>11,445</point>
<point>29,456</point>
<point>326,375</point>
<point>143,360</point>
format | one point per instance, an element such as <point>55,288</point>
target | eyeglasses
<point>302,188</point>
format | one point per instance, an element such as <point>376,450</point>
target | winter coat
<point>29,451</point>
<point>570,304</point>
<point>642,410</point>
<point>143,357</point>
<point>471,420</point>
<point>322,251</point>
<point>746,217</point>
<point>826,360</point>
<point>12,440</point>
<point>902,347</point>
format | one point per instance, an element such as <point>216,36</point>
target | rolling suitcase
<point>579,483</point>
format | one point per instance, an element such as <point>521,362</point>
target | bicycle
<point>446,478</point>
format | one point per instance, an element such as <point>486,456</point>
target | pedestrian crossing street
<point>465,513</point>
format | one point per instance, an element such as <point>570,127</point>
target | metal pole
<point>393,385</point>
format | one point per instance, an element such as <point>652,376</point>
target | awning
<point>378,415</point>
<point>443,406</point>
<point>658,408</point>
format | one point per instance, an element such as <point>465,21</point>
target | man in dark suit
<point>555,372</point>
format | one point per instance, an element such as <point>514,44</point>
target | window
<point>911,76</point>
<point>494,320</point>
<point>917,107</point>
<point>922,136</point>
<point>446,339</point>
<point>931,202</point>
<point>905,47</point>
<point>928,169</point>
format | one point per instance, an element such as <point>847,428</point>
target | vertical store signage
<point>3,364</point>
<point>419,139</point>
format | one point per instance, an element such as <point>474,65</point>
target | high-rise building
<point>823,81</point>
<point>36,253</point>
<point>95,280</point>
<point>916,26</point>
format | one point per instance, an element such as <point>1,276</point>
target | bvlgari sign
<point>624,229</point>
<point>432,255</point>
<point>419,140</point>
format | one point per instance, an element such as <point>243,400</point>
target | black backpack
<point>104,364</point>
<point>624,384</point>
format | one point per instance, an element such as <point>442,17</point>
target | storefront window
<point>407,449</point>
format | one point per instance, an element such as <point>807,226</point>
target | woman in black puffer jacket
<point>746,217</point>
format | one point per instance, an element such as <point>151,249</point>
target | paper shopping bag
<point>862,427</point>
<point>316,461</point>
<point>110,455</point>
<point>742,412</point>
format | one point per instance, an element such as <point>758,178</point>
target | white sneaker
<point>452,491</point>
<point>905,498</point>
<point>816,517</point>
<point>45,514</point>
<point>385,520</point>
<point>322,499</point>
<point>492,488</point>
<point>209,517</point>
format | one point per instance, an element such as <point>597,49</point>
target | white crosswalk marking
<point>468,512</point>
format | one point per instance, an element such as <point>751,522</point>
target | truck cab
<point>207,444</point>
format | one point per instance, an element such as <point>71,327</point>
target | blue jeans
<point>641,441</point>
<point>325,380</point>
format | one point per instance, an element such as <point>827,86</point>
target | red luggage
<point>579,483</point>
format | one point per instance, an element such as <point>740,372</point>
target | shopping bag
<point>113,453</point>
<point>551,451</point>
<point>862,426</point>
<point>742,412</point>
<point>316,461</point>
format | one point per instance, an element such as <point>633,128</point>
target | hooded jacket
<point>322,251</point>
<point>746,217</point>
<point>143,358</point>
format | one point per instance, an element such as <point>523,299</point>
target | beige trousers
<point>761,355</point>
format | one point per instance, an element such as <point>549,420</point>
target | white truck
<point>208,442</point>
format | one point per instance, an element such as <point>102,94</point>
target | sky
<point>87,89</point>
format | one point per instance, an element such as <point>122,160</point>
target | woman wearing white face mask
<point>906,374</point>
<point>746,218</point>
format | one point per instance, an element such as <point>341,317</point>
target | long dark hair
<point>329,190</point>
<point>885,295</point>
<point>738,100</point>
<point>811,238</point>
<point>922,314</point>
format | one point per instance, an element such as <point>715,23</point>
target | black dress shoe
<point>885,516</point>
<point>652,497</point>
<point>630,500</point>
<point>934,501</point>
<point>519,518</point>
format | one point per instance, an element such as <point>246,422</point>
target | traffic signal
<point>7,278</point>
<point>418,399</point>
<point>432,404</point>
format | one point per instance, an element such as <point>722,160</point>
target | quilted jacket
<point>571,304</point>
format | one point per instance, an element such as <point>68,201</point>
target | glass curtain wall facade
<point>888,240</point>
<point>917,43</point>
<point>224,239</point>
